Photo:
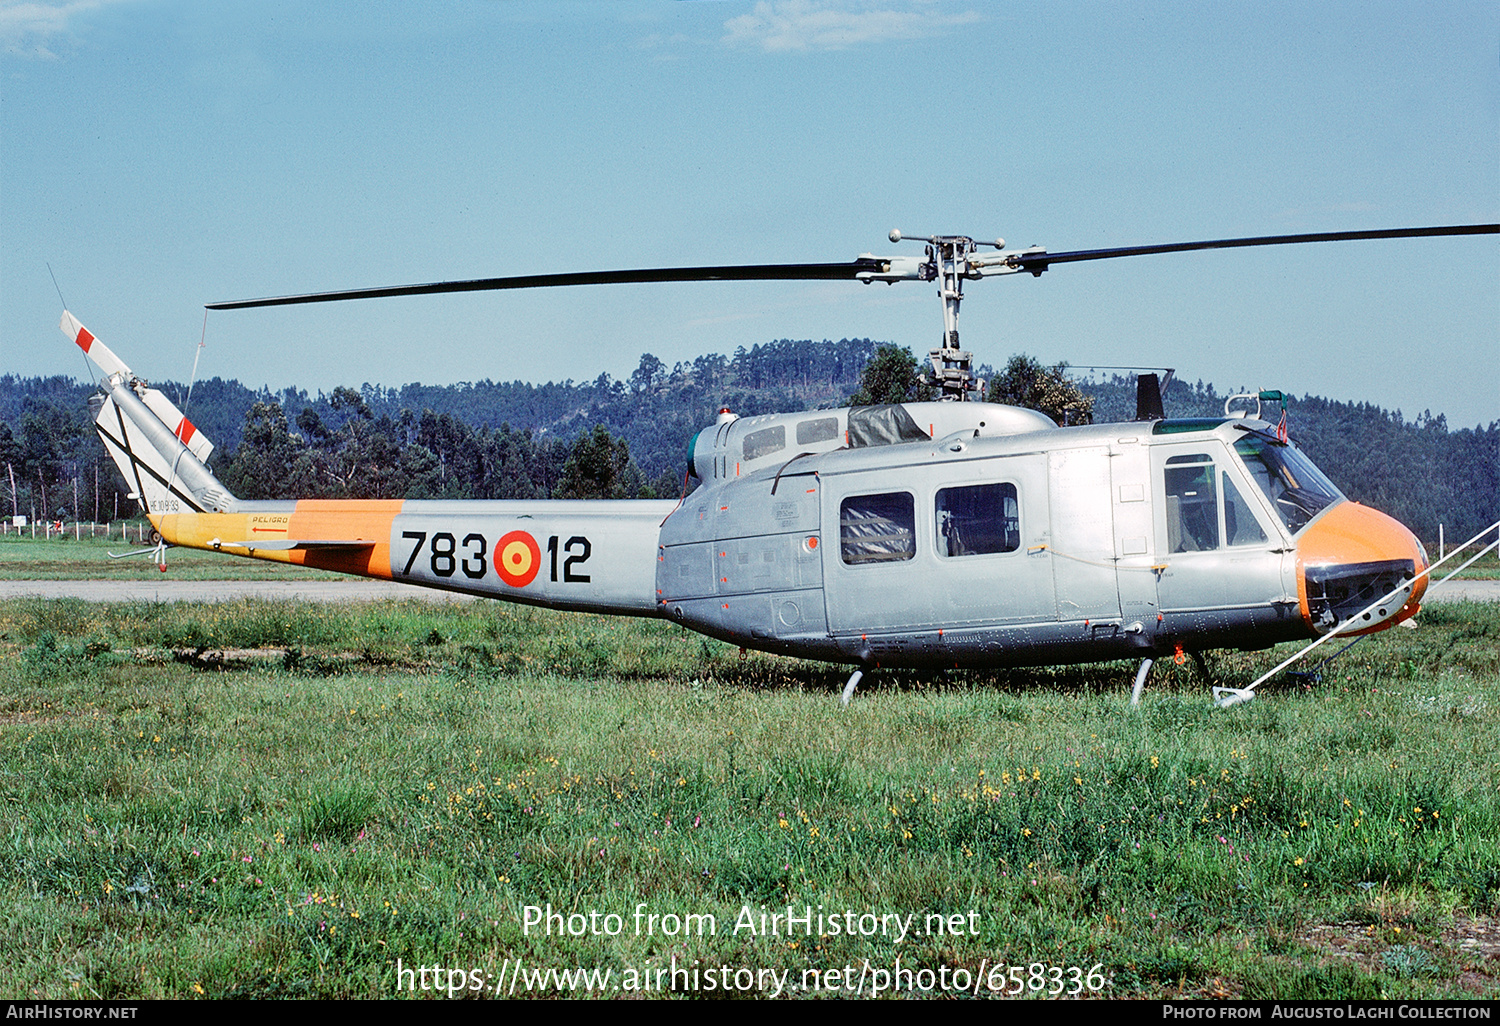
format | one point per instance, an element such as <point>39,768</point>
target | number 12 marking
<point>585,549</point>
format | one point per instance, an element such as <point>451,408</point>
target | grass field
<point>288,800</point>
<point>65,559</point>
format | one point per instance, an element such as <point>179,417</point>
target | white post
<point>1440,541</point>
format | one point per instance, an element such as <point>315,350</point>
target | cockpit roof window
<point>1297,490</point>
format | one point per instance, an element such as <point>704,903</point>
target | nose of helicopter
<point>1351,557</point>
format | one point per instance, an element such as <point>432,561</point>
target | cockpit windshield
<point>1298,490</point>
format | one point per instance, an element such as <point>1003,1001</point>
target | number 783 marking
<point>517,556</point>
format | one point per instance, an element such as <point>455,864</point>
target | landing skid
<point>849,688</point>
<point>1223,697</point>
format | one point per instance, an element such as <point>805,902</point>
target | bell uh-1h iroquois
<point>956,533</point>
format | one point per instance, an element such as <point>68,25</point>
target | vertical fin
<point>158,450</point>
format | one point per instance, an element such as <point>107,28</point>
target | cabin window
<point>765,442</point>
<point>978,519</point>
<point>878,528</point>
<point>824,429</point>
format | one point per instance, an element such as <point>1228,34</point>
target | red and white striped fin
<point>97,351</point>
<point>165,410</point>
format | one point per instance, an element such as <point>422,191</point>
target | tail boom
<point>595,556</point>
<point>591,556</point>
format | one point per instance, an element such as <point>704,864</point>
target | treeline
<point>484,440</point>
<point>625,438</point>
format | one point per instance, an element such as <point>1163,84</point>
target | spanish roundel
<point>518,558</point>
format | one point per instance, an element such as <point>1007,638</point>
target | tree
<point>420,474</point>
<point>311,425</point>
<point>271,462</point>
<point>53,439</point>
<point>346,398</point>
<point>1025,382</point>
<point>598,468</point>
<point>891,377</point>
<point>649,376</point>
<point>364,460</point>
<point>10,455</point>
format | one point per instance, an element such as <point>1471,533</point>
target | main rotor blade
<point>1036,263</point>
<point>748,272</point>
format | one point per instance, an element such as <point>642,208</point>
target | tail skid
<point>158,450</point>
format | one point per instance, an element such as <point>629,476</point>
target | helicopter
<point>956,533</point>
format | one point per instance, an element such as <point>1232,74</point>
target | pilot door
<point>1224,561</point>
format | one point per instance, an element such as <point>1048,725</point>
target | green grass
<point>1486,567</point>
<point>64,558</point>
<point>399,782</point>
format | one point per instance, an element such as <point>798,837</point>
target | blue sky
<point>160,155</point>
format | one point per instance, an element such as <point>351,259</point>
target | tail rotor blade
<point>103,357</point>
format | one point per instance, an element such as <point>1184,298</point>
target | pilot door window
<point>977,520</point>
<point>1197,521</point>
<point>877,528</point>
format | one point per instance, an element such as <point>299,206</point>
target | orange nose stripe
<point>1350,533</point>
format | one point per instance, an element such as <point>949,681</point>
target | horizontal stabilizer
<point>303,543</point>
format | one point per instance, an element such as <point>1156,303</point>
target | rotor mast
<point>951,259</point>
<point>952,366</point>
